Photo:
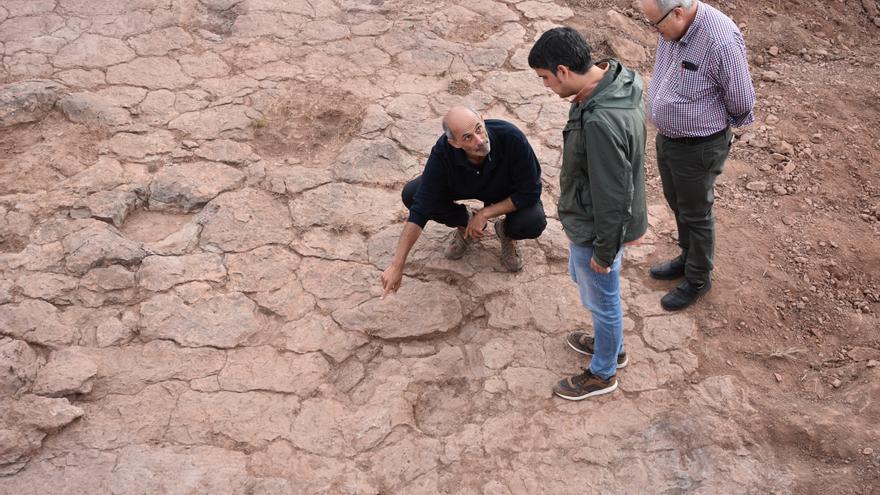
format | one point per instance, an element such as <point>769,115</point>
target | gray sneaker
<point>510,256</point>
<point>583,343</point>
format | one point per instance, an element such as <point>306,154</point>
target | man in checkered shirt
<point>701,87</point>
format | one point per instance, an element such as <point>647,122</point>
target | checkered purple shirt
<point>701,83</point>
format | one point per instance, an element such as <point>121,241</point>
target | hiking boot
<point>583,343</point>
<point>457,246</point>
<point>684,295</point>
<point>510,256</point>
<point>584,385</point>
<point>668,270</point>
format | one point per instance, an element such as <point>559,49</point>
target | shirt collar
<point>695,26</point>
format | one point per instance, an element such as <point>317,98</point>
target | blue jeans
<point>600,293</point>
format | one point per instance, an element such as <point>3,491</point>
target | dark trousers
<point>527,223</point>
<point>688,169</point>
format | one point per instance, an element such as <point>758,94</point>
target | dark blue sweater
<point>511,169</point>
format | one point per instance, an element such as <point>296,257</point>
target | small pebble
<point>769,76</point>
<point>757,186</point>
<point>836,383</point>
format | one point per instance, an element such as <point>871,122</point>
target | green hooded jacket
<point>602,181</point>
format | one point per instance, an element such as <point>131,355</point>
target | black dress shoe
<point>684,295</point>
<point>668,270</point>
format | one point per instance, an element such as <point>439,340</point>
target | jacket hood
<point>620,88</point>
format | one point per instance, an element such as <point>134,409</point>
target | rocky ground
<point>197,198</point>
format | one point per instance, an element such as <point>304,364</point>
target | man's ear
<point>562,70</point>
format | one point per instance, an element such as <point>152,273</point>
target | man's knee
<point>697,219</point>
<point>408,195</point>
<point>529,224</point>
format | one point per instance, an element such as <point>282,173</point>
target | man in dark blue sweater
<point>491,161</point>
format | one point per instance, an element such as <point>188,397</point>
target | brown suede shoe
<point>579,387</point>
<point>457,246</point>
<point>510,256</point>
<point>583,343</point>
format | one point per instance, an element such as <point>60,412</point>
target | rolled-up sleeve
<point>526,173</point>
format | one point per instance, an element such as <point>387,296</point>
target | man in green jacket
<point>602,198</point>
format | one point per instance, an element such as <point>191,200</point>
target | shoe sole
<point>672,310</point>
<point>591,394</point>
<point>666,277</point>
<point>513,269</point>
<point>575,349</point>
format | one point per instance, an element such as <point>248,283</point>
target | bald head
<point>465,129</point>
<point>457,118</point>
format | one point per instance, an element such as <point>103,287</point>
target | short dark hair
<point>561,46</point>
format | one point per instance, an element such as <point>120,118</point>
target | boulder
<point>245,219</point>
<point>88,108</point>
<point>113,206</point>
<point>68,371</point>
<point>227,151</point>
<point>37,322</point>
<point>346,206</point>
<point>267,368</point>
<point>159,273</point>
<point>99,244</point>
<point>264,269</point>
<point>27,101</point>
<point>149,72</point>
<point>419,309</point>
<point>25,422</point>
<point>223,321</point>
<point>225,121</point>
<point>318,333</point>
<point>93,51</point>
<point>191,185</point>
<point>18,365</point>
<point>378,161</point>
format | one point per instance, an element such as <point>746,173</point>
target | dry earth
<point>197,198</point>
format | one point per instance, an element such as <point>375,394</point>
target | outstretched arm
<point>392,275</point>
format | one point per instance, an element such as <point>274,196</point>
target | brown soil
<point>308,121</point>
<point>797,278</point>
<point>36,156</point>
<point>798,275</point>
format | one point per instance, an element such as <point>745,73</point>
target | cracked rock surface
<point>190,292</point>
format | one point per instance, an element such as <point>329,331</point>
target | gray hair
<point>448,131</point>
<point>667,5</point>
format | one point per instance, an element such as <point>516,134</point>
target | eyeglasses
<point>655,25</point>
